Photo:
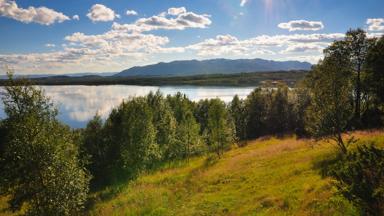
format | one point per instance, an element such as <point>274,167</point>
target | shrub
<point>360,178</point>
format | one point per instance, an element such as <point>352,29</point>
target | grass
<point>269,176</point>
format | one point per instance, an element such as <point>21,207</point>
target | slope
<point>269,176</point>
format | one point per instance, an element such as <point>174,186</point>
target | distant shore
<point>239,79</point>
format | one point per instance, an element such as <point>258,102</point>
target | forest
<point>48,168</point>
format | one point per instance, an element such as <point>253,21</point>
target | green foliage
<point>271,111</point>
<point>256,106</point>
<point>301,102</point>
<point>39,162</point>
<point>373,83</point>
<point>201,114</point>
<point>188,141</point>
<point>165,124</point>
<point>239,116</point>
<point>360,178</point>
<point>279,116</point>
<point>133,135</point>
<point>331,91</point>
<point>219,131</point>
<point>95,150</point>
<point>353,49</point>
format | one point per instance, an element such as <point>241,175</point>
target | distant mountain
<point>213,66</point>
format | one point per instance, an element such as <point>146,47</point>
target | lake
<point>78,104</point>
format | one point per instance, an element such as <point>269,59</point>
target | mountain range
<point>213,66</point>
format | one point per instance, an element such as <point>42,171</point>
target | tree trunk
<point>341,144</point>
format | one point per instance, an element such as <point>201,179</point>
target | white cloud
<point>131,13</point>
<point>227,45</point>
<point>173,19</point>
<point>300,48</point>
<point>117,49</point>
<point>40,15</point>
<point>176,11</point>
<point>314,59</point>
<point>223,45</point>
<point>243,2</point>
<point>101,13</point>
<point>300,25</point>
<point>76,17</point>
<point>280,40</point>
<point>376,24</point>
<point>50,45</point>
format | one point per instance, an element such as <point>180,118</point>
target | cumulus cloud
<point>176,11</point>
<point>173,19</point>
<point>131,13</point>
<point>300,48</point>
<point>300,25</point>
<point>101,13</point>
<point>264,44</point>
<point>40,15</point>
<point>76,17</point>
<point>376,24</point>
<point>122,46</point>
<point>243,2</point>
<point>118,49</point>
<point>227,45</point>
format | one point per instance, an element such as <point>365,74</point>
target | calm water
<point>78,104</point>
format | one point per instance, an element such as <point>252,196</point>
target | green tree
<point>301,102</point>
<point>164,123</point>
<point>133,137</point>
<point>95,151</point>
<point>40,165</point>
<point>239,115</point>
<point>331,109</point>
<point>188,140</point>
<point>279,112</point>
<point>357,45</point>
<point>201,114</point>
<point>188,135</point>
<point>256,108</point>
<point>375,70</point>
<point>219,129</point>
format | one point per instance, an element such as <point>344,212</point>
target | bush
<point>360,178</point>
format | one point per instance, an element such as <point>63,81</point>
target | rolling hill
<point>269,176</point>
<point>213,66</point>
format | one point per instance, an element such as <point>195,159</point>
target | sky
<point>71,36</point>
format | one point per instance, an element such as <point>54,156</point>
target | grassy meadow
<point>269,176</point>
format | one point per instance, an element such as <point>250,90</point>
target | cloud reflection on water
<point>78,104</point>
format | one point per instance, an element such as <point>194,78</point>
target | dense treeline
<point>50,167</point>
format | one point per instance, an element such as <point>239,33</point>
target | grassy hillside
<point>269,176</point>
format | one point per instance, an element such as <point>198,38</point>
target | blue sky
<point>68,36</point>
